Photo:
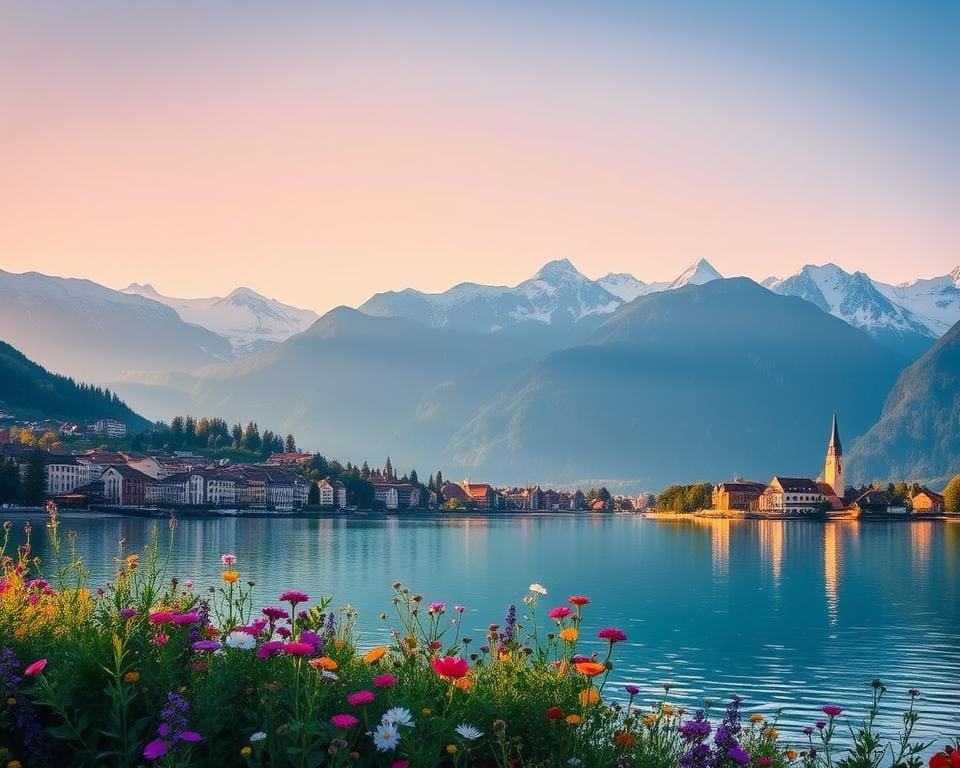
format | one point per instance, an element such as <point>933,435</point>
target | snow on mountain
<point>933,301</point>
<point>696,274</point>
<point>249,321</point>
<point>625,286</point>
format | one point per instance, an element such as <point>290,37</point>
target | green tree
<point>251,436</point>
<point>10,490</point>
<point>313,495</point>
<point>951,496</point>
<point>290,445</point>
<point>35,480</point>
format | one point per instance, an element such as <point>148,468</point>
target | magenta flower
<point>35,668</point>
<point>580,658</point>
<point>612,634</point>
<point>270,648</point>
<point>438,607</point>
<point>633,690</point>
<point>360,698</point>
<point>206,645</point>
<point>385,681</point>
<point>344,721</point>
<point>190,736</point>
<point>284,632</point>
<point>293,597</point>
<point>559,613</point>
<point>186,618</point>
<point>228,559</point>
<point>162,617</point>
<point>831,710</point>
<point>458,609</point>
<point>275,613</point>
<point>156,748</point>
<point>738,755</point>
<point>401,764</point>
<point>298,649</point>
<point>128,613</point>
<point>311,637</point>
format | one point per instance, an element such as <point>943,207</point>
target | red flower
<point>831,710</point>
<point>947,759</point>
<point>35,668</point>
<point>612,634</point>
<point>554,713</point>
<point>298,649</point>
<point>578,600</point>
<point>451,667</point>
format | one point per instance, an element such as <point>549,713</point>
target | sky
<point>321,152</point>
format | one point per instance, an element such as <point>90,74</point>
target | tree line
<point>27,488</point>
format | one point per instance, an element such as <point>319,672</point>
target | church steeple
<point>833,467</point>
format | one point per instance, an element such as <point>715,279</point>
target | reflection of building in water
<point>920,535</point>
<point>831,571</point>
<point>720,541</point>
<point>771,546</point>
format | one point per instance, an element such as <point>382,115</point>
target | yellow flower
<point>231,576</point>
<point>11,701</point>
<point>451,749</point>
<point>464,684</point>
<point>771,733</point>
<point>426,711</point>
<point>569,634</point>
<point>375,654</point>
<point>791,754</point>
<point>573,719</point>
<point>756,717</point>
<point>13,764</point>
<point>504,655</point>
<point>666,709</point>
<point>131,677</point>
<point>245,751</point>
<point>649,720</point>
<point>589,696</point>
<point>339,644</point>
<point>133,561</point>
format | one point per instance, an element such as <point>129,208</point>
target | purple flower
<point>206,645</point>
<point>128,613</point>
<point>821,724</point>
<point>509,626</point>
<point>438,607</point>
<point>164,729</point>
<point>186,618</point>
<point>695,731</point>
<point>190,736</point>
<point>807,730</point>
<point>312,638</point>
<point>632,690</point>
<point>156,748</point>
<point>269,648</point>
<point>738,754</point>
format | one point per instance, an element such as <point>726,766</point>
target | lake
<point>789,614</point>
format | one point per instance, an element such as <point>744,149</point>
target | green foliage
<point>951,496</point>
<point>685,498</point>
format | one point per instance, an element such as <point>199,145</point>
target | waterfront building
<point>791,497</point>
<point>125,485</point>
<point>926,502</point>
<point>738,495</point>
<point>64,473</point>
<point>325,493</point>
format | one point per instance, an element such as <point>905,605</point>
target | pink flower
<point>206,645</point>
<point>344,721</point>
<point>578,600</point>
<point>162,617</point>
<point>159,639</point>
<point>831,710</point>
<point>450,667</point>
<point>559,613</point>
<point>186,618</point>
<point>284,632</point>
<point>385,681</point>
<point>35,668</point>
<point>458,609</point>
<point>156,748</point>
<point>360,698</point>
<point>294,597</point>
<point>270,648</point>
<point>632,690</point>
<point>438,607</point>
<point>298,649</point>
<point>190,736</point>
<point>228,559</point>
<point>401,764</point>
<point>612,634</point>
<point>275,613</point>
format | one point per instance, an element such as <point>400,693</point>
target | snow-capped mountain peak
<point>697,274</point>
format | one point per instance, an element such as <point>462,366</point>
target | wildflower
<point>245,751</point>
<point>756,717</point>
<point>385,681</point>
<point>459,608</point>
<point>764,761</point>
<point>344,720</point>
<point>632,690</point>
<point>437,607</point>
<point>231,577</point>
<point>426,711</point>
<point>469,732</point>
<point>569,635</point>
<point>35,668</point>
<point>589,668</point>
<point>649,720</point>
<point>206,645</point>
<point>191,737</point>
<point>831,710</point>
<point>241,640</point>
<point>589,696</point>
<point>612,634</point>
<point>624,739</point>
<point>386,737</point>
<point>464,684</point>
<point>127,613</point>
<point>451,667</point>
<point>451,749</point>
<point>270,649</point>
<point>559,613</point>
<point>791,754</point>
<point>401,764</point>
<point>323,662</point>
<point>554,713</point>
<point>275,613</point>
<point>131,677</point>
<point>375,654</point>
<point>578,600</point>
<point>284,633</point>
<point>160,639</point>
<point>666,709</point>
<point>400,716</point>
<point>156,748</point>
<point>258,736</point>
<point>186,618</point>
<point>228,559</point>
<point>162,617</point>
<point>132,561</point>
<point>807,730</point>
<point>573,719</point>
<point>738,754</point>
<point>293,597</point>
<point>538,589</point>
<point>820,724</point>
<point>14,764</point>
<point>298,649</point>
<point>360,698</point>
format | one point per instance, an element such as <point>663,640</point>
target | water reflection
<point>831,571</point>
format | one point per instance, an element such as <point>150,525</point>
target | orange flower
<point>569,635</point>
<point>624,739</point>
<point>649,720</point>
<point>231,576</point>
<point>771,733</point>
<point>791,754</point>
<point>573,720</point>
<point>375,654</point>
<point>589,696</point>
<point>133,561</point>
<point>323,663</point>
<point>131,677</point>
<point>666,709</point>
<point>589,668</point>
<point>464,684</point>
<point>756,717</point>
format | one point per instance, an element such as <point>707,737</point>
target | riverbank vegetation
<point>152,670</point>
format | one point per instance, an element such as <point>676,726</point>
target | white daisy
<point>574,762</point>
<point>258,736</point>
<point>241,640</point>
<point>386,737</point>
<point>328,675</point>
<point>398,716</point>
<point>538,589</point>
<point>469,732</point>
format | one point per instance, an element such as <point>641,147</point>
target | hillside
<point>917,436</point>
<point>697,383</point>
<point>29,391</point>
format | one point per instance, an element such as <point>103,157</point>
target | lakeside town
<point>36,466</point>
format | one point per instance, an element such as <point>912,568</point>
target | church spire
<point>834,444</point>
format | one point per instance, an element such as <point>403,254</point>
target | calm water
<point>791,615</point>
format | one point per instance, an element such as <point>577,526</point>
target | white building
<point>791,497</point>
<point>109,428</point>
<point>326,495</point>
<point>64,473</point>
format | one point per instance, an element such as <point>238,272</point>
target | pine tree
<point>291,445</point>
<point>35,480</point>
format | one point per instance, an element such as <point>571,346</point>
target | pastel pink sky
<point>318,157</point>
